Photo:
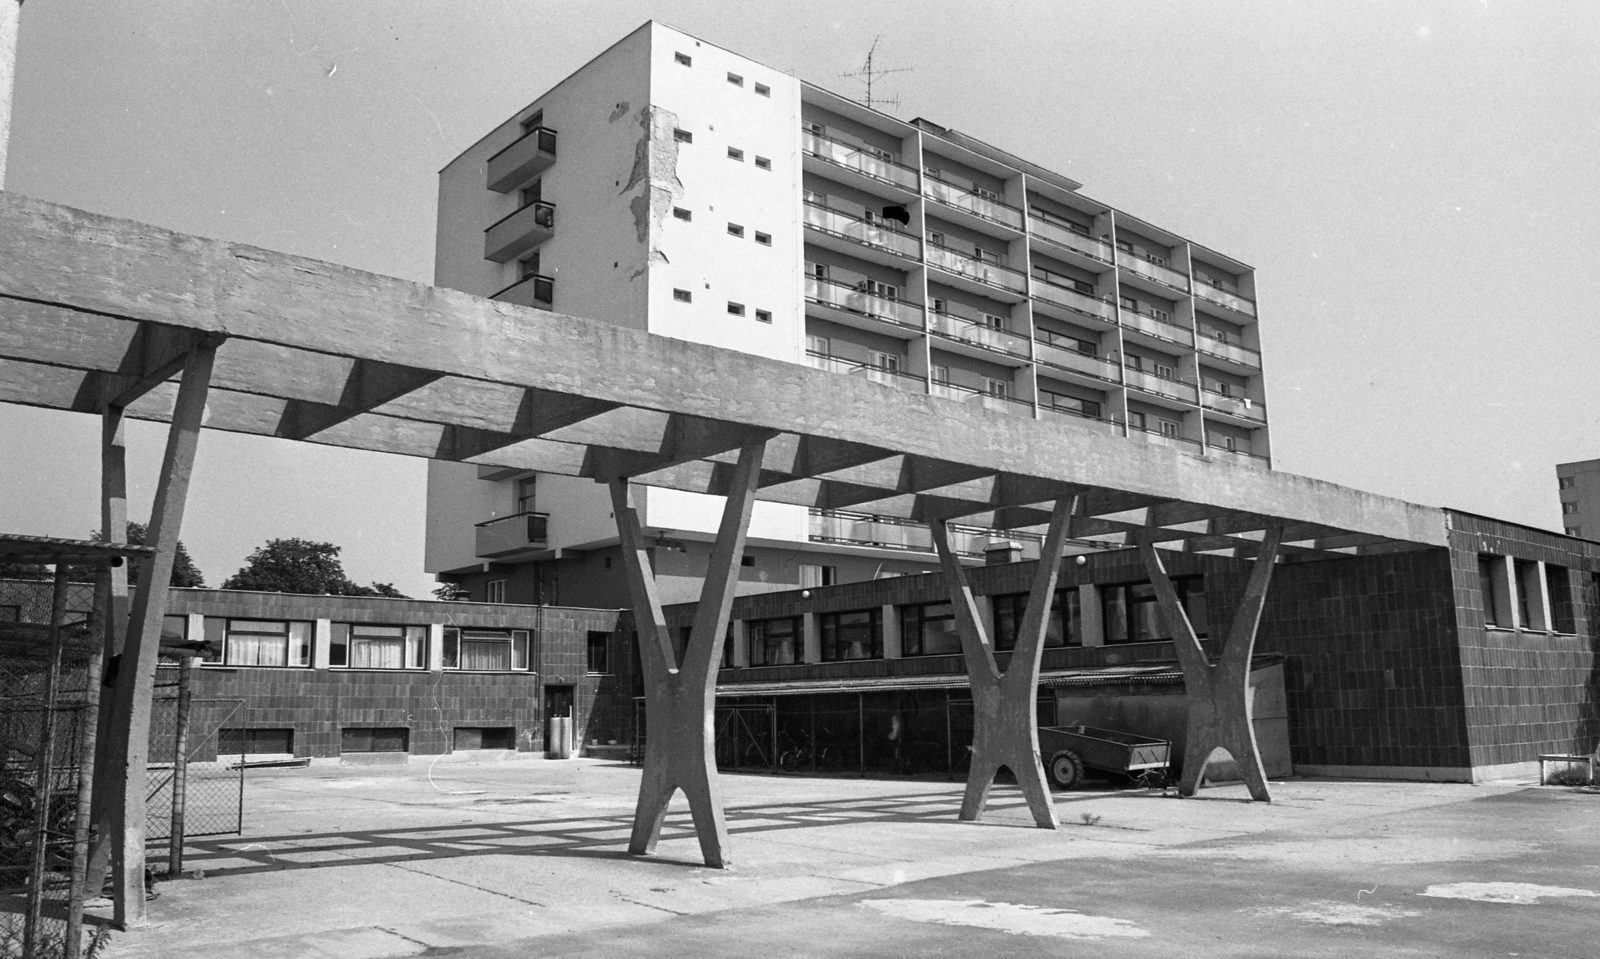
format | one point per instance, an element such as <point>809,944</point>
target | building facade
<point>742,207</point>
<point>1578,485</point>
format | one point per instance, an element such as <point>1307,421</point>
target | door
<point>557,701</point>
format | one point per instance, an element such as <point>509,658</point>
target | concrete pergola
<point>119,319</point>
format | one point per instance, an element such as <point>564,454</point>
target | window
<point>879,220</point>
<point>1132,614</point>
<point>254,742</point>
<point>1064,629</point>
<point>884,361</point>
<point>1568,482</point>
<point>682,136</point>
<point>1575,531</point>
<point>1129,303</point>
<point>254,642</point>
<point>532,193</point>
<point>813,576</point>
<point>775,642</point>
<point>1558,582</point>
<point>682,214</point>
<point>995,387</point>
<point>994,322</point>
<point>939,374</point>
<point>484,737</point>
<point>494,591</point>
<point>817,344</point>
<point>375,739</point>
<point>737,309</point>
<point>857,635</point>
<point>929,630</point>
<point>527,487</point>
<point>763,316</point>
<point>1164,316</point>
<point>1136,419</point>
<point>735,229</point>
<point>1070,404</point>
<point>986,194</point>
<point>1530,611</point>
<point>533,122</point>
<point>815,129</point>
<point>763,90</point>
<point>365,646</point>
<point>814,197</point>
<point>735,79</point>
<point>682,296</point>
<point>599,652</point>
<point>764,239</point>
<point>1165,372</point>
<point>938,304</point>
<point>1167,427</point>
<point>684,59</point>
<point>734,153</point>
<point>935,238</point>
<point>762,163</point>
<point>1125,246</point>
<point>1568,509</point>
<point>1496,596</point>
<point>747,560</point>
<point>529,266</point>
<point>485,650</point>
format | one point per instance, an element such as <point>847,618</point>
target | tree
<point>301,566</point>
<point>452,593</point>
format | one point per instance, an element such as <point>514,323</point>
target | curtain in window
<point>248,649</point>
<point>378,653</point>
<point>485,653</point>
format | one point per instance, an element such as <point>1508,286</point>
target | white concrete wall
<point>457,500</point>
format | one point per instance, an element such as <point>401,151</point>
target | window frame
<point>763,316</point>
<point>756,637</point>
<point>914,619</point>
<point>414,640</point>
<point>1009,608</point>
<point>682,296</point>
<point>763,163</point>
<point>601,640</point>
<point>220,633</point>
<point>682,59</point>
<point>450,651</point>
<point>831,636</point>
<point>1133,599</point>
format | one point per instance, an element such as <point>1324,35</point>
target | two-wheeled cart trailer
<point>1068,750</point>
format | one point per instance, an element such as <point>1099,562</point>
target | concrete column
<point>813,639</point>
<point>436,647</point>
<point>10,17</point>
<point>321,643</point>
<point>1091,615</point>
<point>892,649</point>
<point>741,644</point>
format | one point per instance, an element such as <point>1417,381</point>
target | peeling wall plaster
<point>655,176</point>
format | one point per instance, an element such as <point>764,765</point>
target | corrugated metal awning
<point>1161,674</point>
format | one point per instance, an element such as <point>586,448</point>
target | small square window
<point>763,90</point>
<point>765,239</point>
<point>735,229</point>
<point>747,560</point>
<point>684,59</point>
<point>682,135</point>
<point>683,296</point>
<point>682,214</point>
<point>762,163</point>
<point>737,309</point>
<point>763,316</point>
<point>735,79</point>
<point>734,153</point>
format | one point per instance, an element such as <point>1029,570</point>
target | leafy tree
<point>452,593</point>
<point>301,566</point>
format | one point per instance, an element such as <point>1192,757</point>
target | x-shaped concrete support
<point>1005,720</point>
<point>680,698</point>
<point>1218,693</point>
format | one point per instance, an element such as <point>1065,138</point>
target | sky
<point>1414,182</point>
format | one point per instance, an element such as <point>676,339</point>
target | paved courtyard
<point>523,858</point>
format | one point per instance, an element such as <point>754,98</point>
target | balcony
<point>1079,417</point>
<point>1155,271</point>
<point>872,374</point>
<point>977,397</point>
<point>520,232</point>
<point>531,290</point>
<point>989,274</point>
<point>1165,439</point>
<point>516,533</point>
<point>1237,456</point>
<point>1156,327</point>
<point>1236,406</point>
<point>1071,239</point>
<point>1161,386</point>
<point>858,160</point>
<point>885,532</point>
<point>968,202</point>
<point>1065,359</point>
<point>1228,352</point>
<point>844,297</point>
<point>1071,300</point>
<point>963,330</point>
<point>517,164</point>
<point>1223,298</point>
<point>855,230</point>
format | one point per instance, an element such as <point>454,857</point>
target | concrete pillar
<point>812,639</point>
<point>892,648</point>
<point>1091,615</point>
<point>10,20</point>
<point>321,643</point>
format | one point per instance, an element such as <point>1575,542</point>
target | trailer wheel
<point>1066,769</point>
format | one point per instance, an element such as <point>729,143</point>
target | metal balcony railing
<point>1161,386</point>
<point>519,231</point>
<point>527,157</point>
<point>1069,299</point>
<point>1071,239</point>
<point>1155,271</point>
<point>1234,406</point>
<point>961,199</point>
<point>1052,355</point>
<point>511,534</point>
<point>887,532</point>
<point>847,227</point>
<point>977,397</point>
<point>1078,416</point>
<point>963,330</point>
<point>531,290</point>
<point>858,158</point>
<point>1164,439</point>
<point>1242,355</point>
<point>992,274</point>
<point>842,296</point>
<point>875,374</point>
<point>1161,329</point>
<point>1221,297</point>
<point>1237,455</point>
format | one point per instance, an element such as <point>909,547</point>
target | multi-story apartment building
<point>742,207</point>
<point>1579,488</point>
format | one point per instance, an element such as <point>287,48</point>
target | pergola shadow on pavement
<point>119,320</point>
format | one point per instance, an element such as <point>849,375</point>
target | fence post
<point>180,772</point>
<point>31,933</point>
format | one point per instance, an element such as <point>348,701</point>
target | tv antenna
<point>869,73</point>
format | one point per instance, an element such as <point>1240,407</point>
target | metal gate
<point>208,782</point>
<point>747,736</point>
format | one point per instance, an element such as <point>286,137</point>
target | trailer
<point>1069,750</point>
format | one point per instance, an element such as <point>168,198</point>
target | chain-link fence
<point>206,786</point>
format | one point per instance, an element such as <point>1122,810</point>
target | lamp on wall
<point>670,545</point>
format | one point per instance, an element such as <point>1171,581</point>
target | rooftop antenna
<point>868,73</point>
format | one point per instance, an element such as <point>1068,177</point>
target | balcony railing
<point>512,534</point>
<point>953,196</point>
<point>531,290</point>
<point>1233,352</point>
<point>1237,455</point>
<point>887,532</point>
<point>873,374</point>
<point>527,157</point>
<point>1161,386</point>
<point>1164,439</point>
<point>983,271</point>
<point>967,331</point>
<point>1069,299</point>
<point>520,231</point>
<point>844,297</point>
<point>1078,362</point>
<point>977,397</point>
<point>847,227</point>
<point>1072,240</point>
<point>859,159</point>
<point>1157,327</point>
<point>1078,416</point>
<point>1234,406</point>
<point>1155,271</point>
<point>1232,301</point>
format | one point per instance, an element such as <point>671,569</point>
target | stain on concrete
<point>1015,918</point>
<point>655,175</point>
<point>1511,893</point>
<point>1330,913</point>
<point>620,111</point>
